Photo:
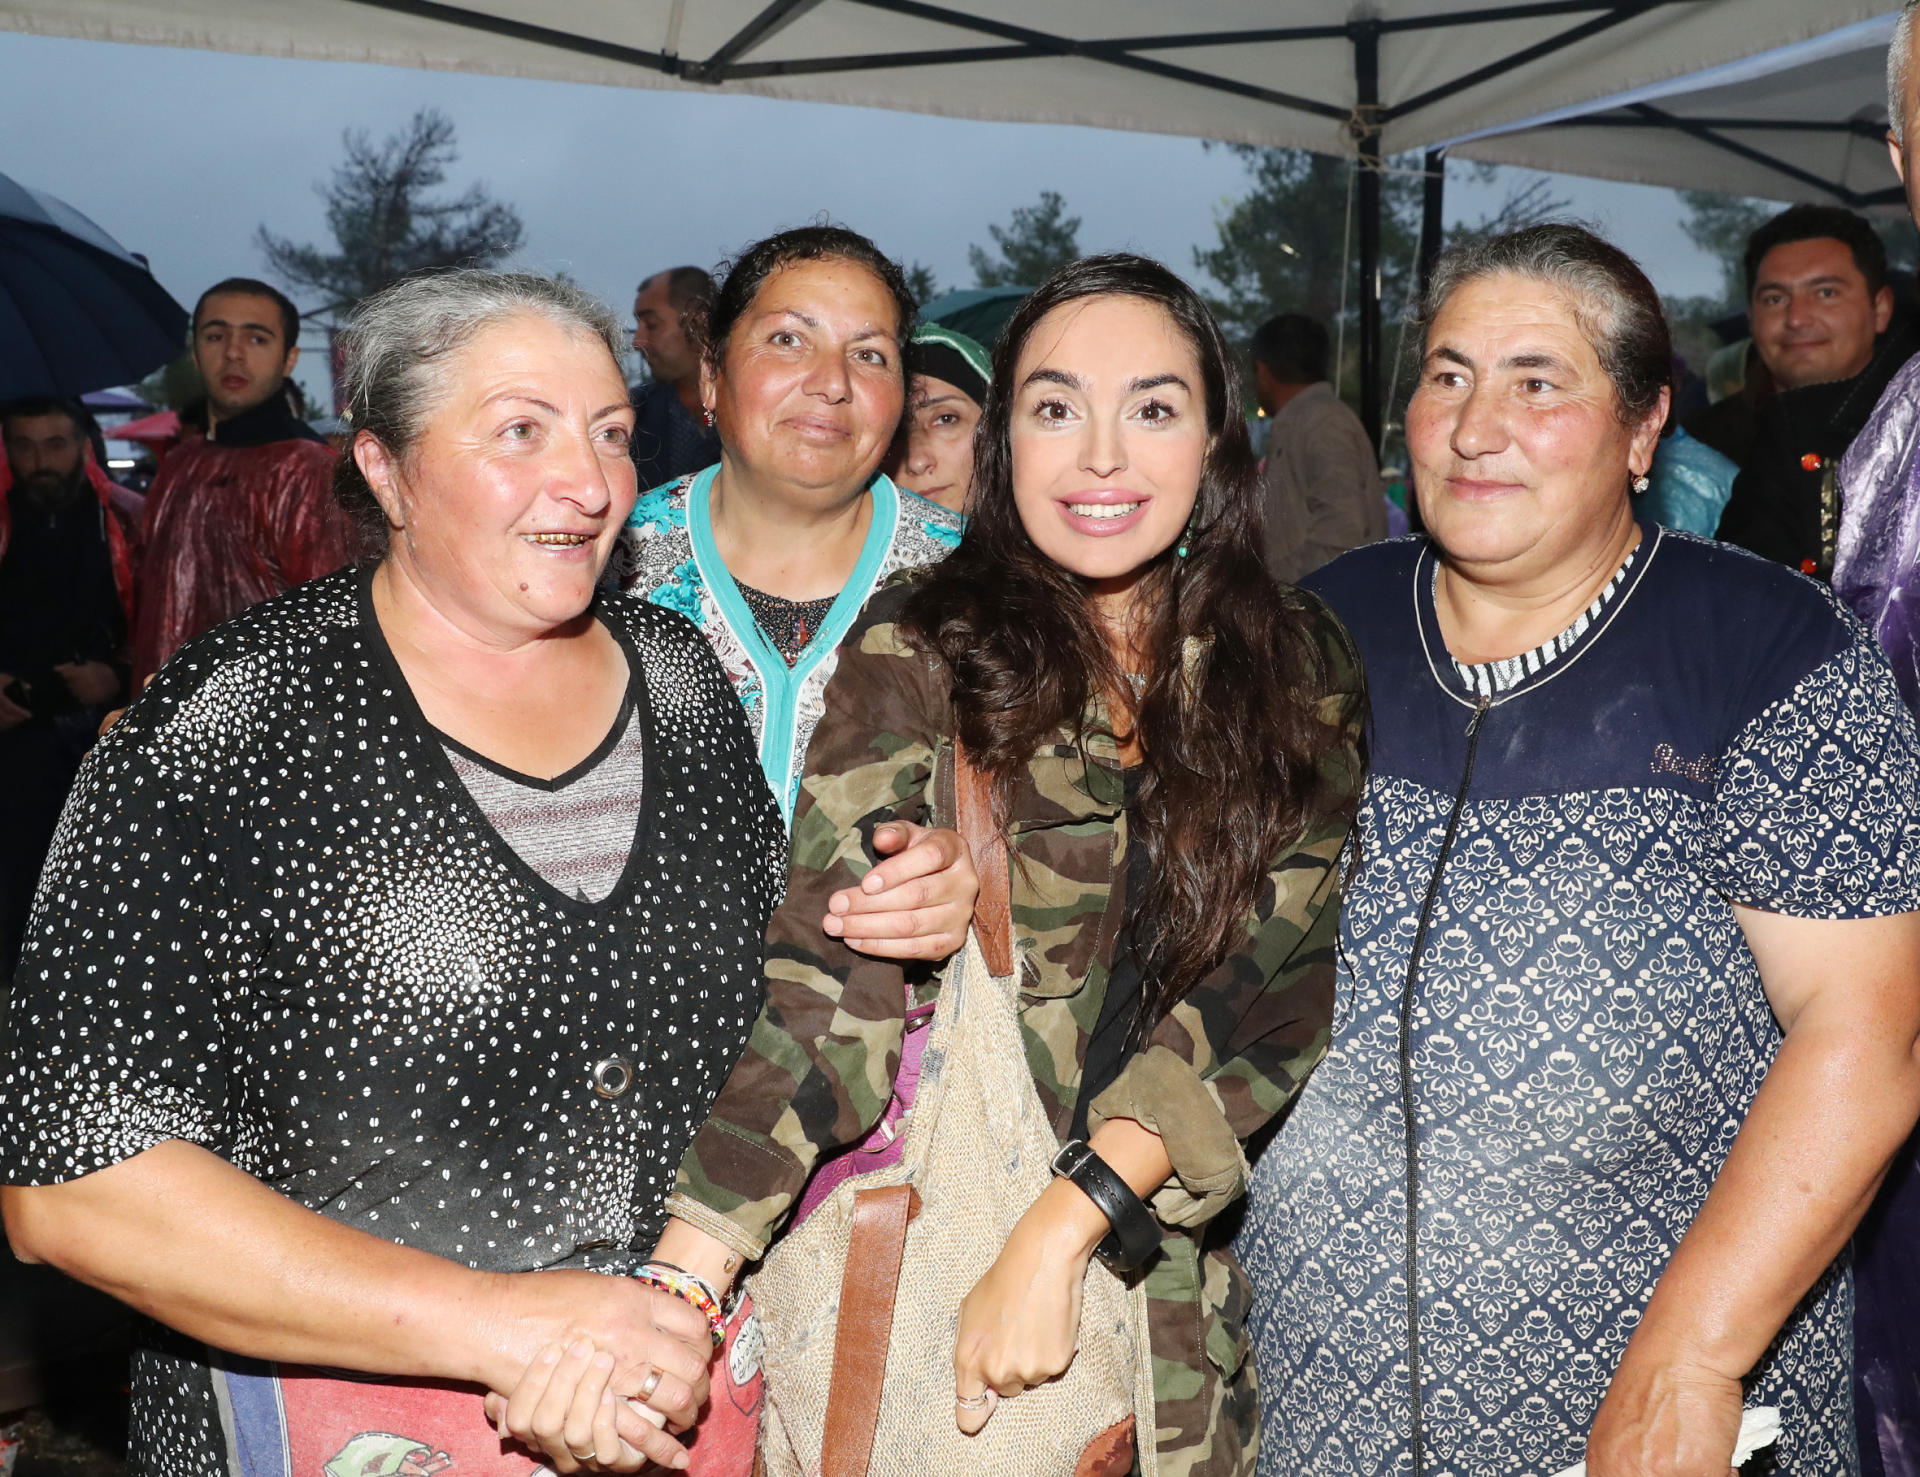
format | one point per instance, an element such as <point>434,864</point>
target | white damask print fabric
<point>1589,1030</point>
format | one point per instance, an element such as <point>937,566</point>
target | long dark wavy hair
<point>1231,747</point>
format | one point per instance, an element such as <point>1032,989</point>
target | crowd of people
<point>468,897</point>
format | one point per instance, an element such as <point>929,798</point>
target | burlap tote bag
<point>861,1303</point>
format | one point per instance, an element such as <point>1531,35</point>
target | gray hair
<point>1900,71</point>
<point>1614,304</point>
<point>397,348</point>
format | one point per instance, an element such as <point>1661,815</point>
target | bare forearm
<point>203,1247</point>
<point>1836,1105</point>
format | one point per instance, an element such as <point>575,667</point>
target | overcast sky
<point>181,155</point>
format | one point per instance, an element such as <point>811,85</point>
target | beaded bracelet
<point>695,1291</point>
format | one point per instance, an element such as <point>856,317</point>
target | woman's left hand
<point>1020,1326</point>
<point>1665,1417</point>
<point>564,1408</point>
<point>917,904</point>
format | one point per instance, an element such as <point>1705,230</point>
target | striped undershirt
<point>576,831</point>
<point>1490,679</point>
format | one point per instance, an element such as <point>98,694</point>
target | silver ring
<point>650,1384</point>
<point>971,1402</point>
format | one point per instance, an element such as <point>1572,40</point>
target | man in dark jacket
<point>670,433</point>
<point>247,511</point>
<point>1820,308</point>
<point>65,584</point>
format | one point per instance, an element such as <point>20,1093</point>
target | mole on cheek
<point>523,587</point>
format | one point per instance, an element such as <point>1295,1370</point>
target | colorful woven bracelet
<point>694,1291</point>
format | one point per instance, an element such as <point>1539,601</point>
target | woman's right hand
<point>641,1332</point>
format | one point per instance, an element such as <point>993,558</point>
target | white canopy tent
<point>1369,78</point>
<point>1803,122</point>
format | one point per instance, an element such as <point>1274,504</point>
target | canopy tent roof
<point>1800,122</point>
<point>1430,70</point>
<point>1369,78</point>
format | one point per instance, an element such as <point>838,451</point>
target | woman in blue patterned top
<point>774,551</point>
<point>1627,1005</point>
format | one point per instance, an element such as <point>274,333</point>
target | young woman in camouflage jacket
<point>1176,744</point>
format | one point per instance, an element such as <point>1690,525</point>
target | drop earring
<point>1642,482</point>
<point>1186,540</point>
<point>707,416</point>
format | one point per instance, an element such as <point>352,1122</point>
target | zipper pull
<point>1479,712</point>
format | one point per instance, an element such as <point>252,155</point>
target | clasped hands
<point>610,1395</point>
<point>586,1403</point>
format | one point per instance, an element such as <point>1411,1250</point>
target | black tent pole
<point>1366,126</point>
<point>1432,218</point>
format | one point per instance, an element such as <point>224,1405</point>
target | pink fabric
<point>881,1147</point>
<point>724,1443</point>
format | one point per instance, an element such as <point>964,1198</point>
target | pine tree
<point>1039,239</point>
<point>385,223</point>
<point>921,283</point>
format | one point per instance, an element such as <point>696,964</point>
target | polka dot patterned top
<point>276,924</point>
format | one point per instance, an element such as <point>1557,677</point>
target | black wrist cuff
<point>1135,1234</point>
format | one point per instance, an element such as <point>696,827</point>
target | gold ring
<point>650,1384</point>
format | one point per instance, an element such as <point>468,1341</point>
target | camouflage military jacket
<point>817,1072</point>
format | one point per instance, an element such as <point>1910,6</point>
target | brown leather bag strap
<point>860,1338</point>
<point>993,910</point>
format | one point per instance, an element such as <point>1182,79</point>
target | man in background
<point>66,586</point>
<point>1320,482</point>
<point>671,436</point>
<point>247,511</point>
<point>1820,307</point>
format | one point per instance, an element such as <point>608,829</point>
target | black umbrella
<point>78,311</point>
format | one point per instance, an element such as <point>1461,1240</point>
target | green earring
<point>1186,538</point>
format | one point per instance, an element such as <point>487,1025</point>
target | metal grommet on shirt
<point>613,1077</point>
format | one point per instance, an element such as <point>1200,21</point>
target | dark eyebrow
<point>794,313</point>
<point>1045,376</point>
<point>255,327</point>
<point>1823,280</point>
<point>1527,359</point>
<point>1155,381</point>
<point>1535,359</point>
<point>605,410</point>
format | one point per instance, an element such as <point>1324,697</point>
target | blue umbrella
<point>78,311</point>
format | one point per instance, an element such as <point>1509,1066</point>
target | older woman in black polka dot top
<point>395,942</point>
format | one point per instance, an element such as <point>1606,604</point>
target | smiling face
<point>1108,435</point>
<point>1521,461</point>
<point>808,390</point>
<point>506,508</point>
<point>937,461</point>
<point>1814,317</point>
<point>240,348</point>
